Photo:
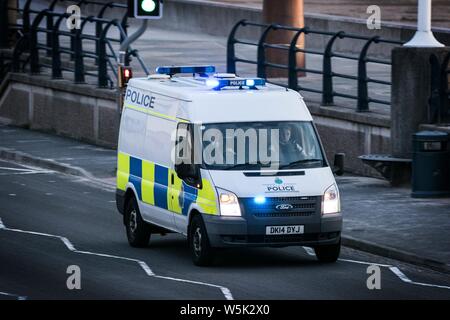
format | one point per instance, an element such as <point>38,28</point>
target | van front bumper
<point>232,231</point>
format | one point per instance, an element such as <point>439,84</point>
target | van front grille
<point>282,206</point>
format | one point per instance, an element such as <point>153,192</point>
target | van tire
<point>138,231</point>
<point>328,253</point>
<point>201,251</point>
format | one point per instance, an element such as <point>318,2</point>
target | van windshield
<point>260,145</point>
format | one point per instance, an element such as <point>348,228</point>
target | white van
<point>175,174</point>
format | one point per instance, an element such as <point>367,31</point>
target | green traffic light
<point>148,5</point>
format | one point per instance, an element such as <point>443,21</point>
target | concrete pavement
<point>401,11</point>
<point>377,218</point>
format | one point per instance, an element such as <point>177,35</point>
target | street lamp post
<point>288,13</point>
<point>424,37</point>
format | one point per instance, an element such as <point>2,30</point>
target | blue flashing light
<point>185,69</point>
<point>212,83</point>
<point>250,83</point>
<point>218,83</point>
<point>259,200</point>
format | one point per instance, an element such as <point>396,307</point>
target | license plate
<point>271,230</point>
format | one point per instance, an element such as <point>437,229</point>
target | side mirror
<point>185,171</point>
<point>339,164</point>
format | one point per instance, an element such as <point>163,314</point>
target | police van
<point>225,161</point>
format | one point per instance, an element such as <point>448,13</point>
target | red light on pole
<point>125,74</point>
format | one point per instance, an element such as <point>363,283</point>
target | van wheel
<point>201,251</point>
<point>328,253</point>
<point>138,231</point>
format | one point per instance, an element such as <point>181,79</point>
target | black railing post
<point>56,54</point>
<point>102,64</point>
<point>434,100</point>
<point>231,53</point>
<point>327,80</point>
<point>78,50</point>
<point>444,90</point>
<point>363,95</point>
<point>26,17</point>
<point>292,61</point>
<point>49,36</point>
<point>34,50</point>
<point>18,49</point>
<point>98,28</point>
<point>261,59</point>
<point>102,57</point>
<point>4,28</point>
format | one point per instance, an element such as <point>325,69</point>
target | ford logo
<point>284,206</point>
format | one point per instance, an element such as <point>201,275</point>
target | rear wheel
<point>138,231</point>
<point>201,251</point>
<point>328,253</point>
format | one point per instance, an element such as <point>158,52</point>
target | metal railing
<point>103,56</point>
<point>327,91</point>
<point>439,102</point>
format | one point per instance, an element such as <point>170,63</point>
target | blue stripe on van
<point>161,183</point>
<point>136,175</point>
<point>189,196</point>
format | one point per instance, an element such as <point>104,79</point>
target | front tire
<point>328,253</point>
<point>138,231</point>
<point>201,251</point>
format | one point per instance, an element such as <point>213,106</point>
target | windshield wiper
<point>240,166</point>
<point>298,162</point>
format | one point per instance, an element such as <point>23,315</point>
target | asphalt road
<point>50,221</point>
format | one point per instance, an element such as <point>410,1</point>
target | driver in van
<point>290,149</point>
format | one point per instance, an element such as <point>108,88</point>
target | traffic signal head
<point>145,9</point>
<point>124,75</point>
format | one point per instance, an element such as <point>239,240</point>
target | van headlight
<point>229,204</point>
<point>330,200</point>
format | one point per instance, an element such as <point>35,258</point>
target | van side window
<point>183,144</point>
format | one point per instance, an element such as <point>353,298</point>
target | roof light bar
<point>186,69</point>
<point>218,84</point>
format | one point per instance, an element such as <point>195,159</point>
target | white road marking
<point>404,278</point>
<point>13,169</point>
<point>309,251</point>
<point>12,194</point>
<point>366,263</point>
<point>20,171</point>
<point>394,269</point>
<point>25,173</point>
<point>32,141</point>
<point>13,295</point>
<point>225,291</point>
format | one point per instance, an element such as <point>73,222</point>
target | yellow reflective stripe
<point>123,170</point>
<point>148,181</point>
<point>206,198</point>
<point>158,114</point>
<point>174,192</point>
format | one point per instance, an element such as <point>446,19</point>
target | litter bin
<point>431,164</point>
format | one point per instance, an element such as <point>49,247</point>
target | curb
<point>362,245</point>
<point>397,254</point>
<point>27,159</point>
<point>8,154</point>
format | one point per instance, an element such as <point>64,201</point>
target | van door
<point>156,170</point>
<point>181,195</point>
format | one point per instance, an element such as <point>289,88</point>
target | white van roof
<point>205,105</point>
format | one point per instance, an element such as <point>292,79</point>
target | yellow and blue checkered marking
<point>152,184</point>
